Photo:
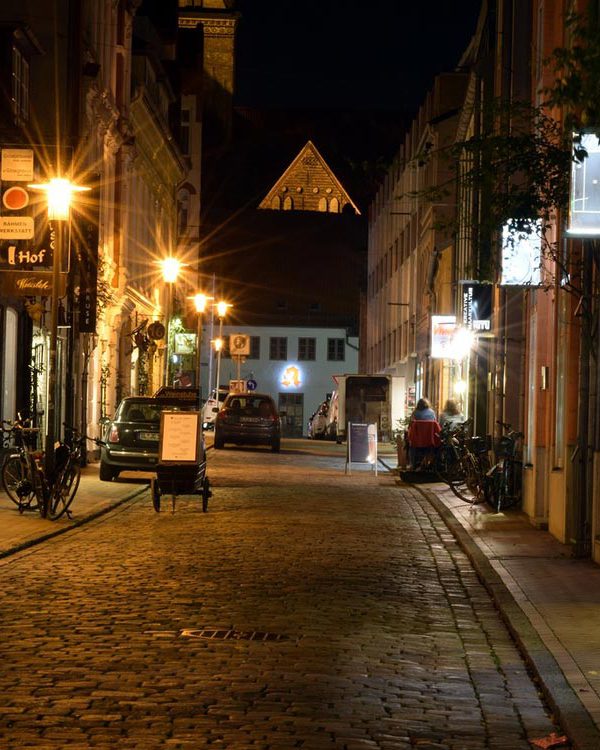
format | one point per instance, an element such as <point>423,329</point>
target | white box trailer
<point>370,399</point>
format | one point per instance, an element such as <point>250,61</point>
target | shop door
<point>291,409</point>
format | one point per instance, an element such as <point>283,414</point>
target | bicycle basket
<point>480,443</point>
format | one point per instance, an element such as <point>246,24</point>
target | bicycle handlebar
<point>78,435</point>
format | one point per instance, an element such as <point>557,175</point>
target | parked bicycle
<point>24,479</point>
<point>506,476</point>
<point>463,462</point>
<point>17,473</point>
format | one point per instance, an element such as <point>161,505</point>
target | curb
<point>76,524</point>
<point>560,696</point>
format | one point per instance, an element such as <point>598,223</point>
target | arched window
<point>276,203</point>
<point>334,206</point>
<point>323,204</point>
<point>288,203</point>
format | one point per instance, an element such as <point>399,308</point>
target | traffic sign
<point>251,385</point>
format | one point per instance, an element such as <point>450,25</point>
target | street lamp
<point>200,302</point>
<point>59,192</point>
<point>170,270</point>
<point>222,308</point>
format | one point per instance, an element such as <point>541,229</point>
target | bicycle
<point>463,462</point>
<point>20,480</point>
<point>505,477</point>
<point>27,485</point>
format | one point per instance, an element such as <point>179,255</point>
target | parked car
<point>317,424</point>
<point>248,418</point>
<point>132,435</point>
<point>211,407</point>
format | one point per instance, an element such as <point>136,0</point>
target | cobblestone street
<point>306,609</point>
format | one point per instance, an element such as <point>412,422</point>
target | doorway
<point>291,409</point>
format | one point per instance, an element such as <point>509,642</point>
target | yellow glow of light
<point>460,387</point>
<point>200,301</point>
<point>222,308</point>
<point>218,344</point>
<point>58,192</point>
<point>462,343</point>
<point>170,269</point>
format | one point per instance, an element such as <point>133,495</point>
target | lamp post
<point>59,192</point>
<point>221,312</point>
<point>200,302</point>
<point>170,270</point>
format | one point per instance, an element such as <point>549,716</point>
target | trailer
<point>367,399</point>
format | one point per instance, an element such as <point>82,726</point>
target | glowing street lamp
<point>200,303</point>
<point>59,192</point>
<point>222,308</point>
<point>171,268</point>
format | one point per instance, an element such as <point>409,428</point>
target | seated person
<point>423,441</point>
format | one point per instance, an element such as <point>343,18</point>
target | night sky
<point>347,54</point>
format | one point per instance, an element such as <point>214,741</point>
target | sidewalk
<point>92,500</point>
<point>549,601</point>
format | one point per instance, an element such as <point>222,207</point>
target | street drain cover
<point>211,634</point>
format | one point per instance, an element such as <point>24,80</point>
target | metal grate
<point>211,634</point>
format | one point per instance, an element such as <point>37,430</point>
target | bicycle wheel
<point>17,484</point>
<point>64,490</point>
<point>512,482</point>
<point>474,478</point>
<point>497,487</point>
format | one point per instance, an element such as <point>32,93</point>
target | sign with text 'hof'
<point>180,437</point>
<point>361,445</point>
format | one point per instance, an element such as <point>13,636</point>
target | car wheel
<point>218,442</point>
<point>107,473</point>
<point>276,445</point>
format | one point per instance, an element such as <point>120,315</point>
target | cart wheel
<point>154,489</point>
<point>206,493</point>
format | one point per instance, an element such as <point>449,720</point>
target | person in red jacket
<point>423,434</point>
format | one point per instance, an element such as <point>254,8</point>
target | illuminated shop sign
<point>291,377</point>
<point>443,328</point>
<point>521,256</point>
<point>584,198</point>
<point>477,306</point>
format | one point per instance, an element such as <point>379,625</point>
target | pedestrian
<point>423,434</point>
<point>452,415</point>
<point>423,411</point>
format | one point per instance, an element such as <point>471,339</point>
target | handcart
<point>181,468</point>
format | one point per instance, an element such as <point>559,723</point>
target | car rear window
<point>149,411</point>
<point>251,406</point>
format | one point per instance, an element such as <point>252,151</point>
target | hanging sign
<point>443,328</point>
<point>30,283</point>
<point>477,306</point>
<point>521,256</point>
<point>16,164</point>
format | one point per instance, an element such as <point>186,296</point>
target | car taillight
<point>113,436</point>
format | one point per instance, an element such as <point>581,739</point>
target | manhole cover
<point>212,634</point>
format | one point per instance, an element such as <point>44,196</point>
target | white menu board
<point>179,437</point>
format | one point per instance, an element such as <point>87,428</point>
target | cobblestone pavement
<point>306,609</point>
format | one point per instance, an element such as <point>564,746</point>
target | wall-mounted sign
<point>16,227</point>
<point>291,377</point>
<point>185,343</point>
<point>521,256</point>
<point>477,306</point>
<point>239,345</point>
<point>30,283</point>
<point>16,164</point>
<point>584,198</point>
<point>442,333</point>
<point>87,255</point>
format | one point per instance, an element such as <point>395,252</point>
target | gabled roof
<point>308,184</point>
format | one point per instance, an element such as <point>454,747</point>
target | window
<point>323,204</point>
<point>334,206</point>
<point>288,203</point>
<point>278,347</point>
<point>276,203</point>
<point>307,348</point>
<point>336,350</point>
<point>20,85</point>
<point>254,347</point>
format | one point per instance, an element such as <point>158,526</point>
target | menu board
<point>179,437</point>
